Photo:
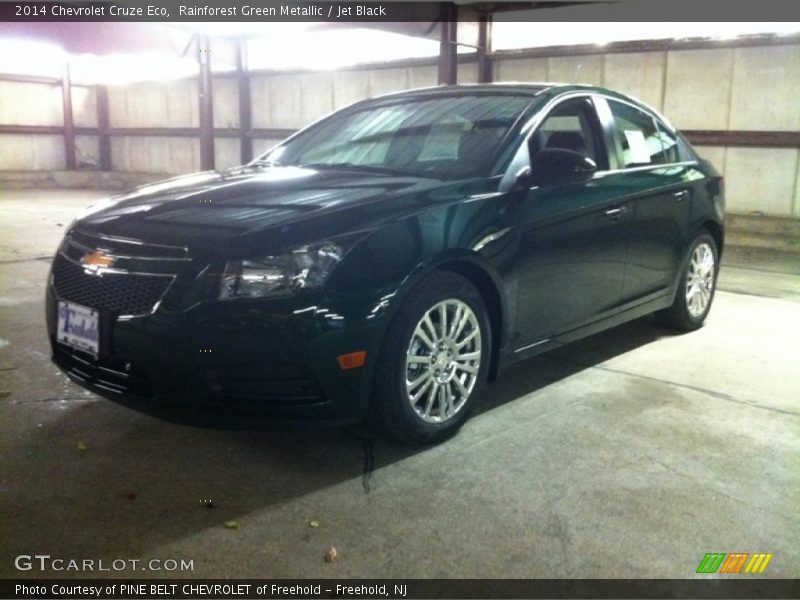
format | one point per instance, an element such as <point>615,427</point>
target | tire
<point>698,282</point>
<point>423,393</point>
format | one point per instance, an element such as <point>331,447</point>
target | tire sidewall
<point>426,294</point>
<point>681,292</point>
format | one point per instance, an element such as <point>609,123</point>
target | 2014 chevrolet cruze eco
<point>388,259</point>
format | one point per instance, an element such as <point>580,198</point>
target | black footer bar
<point>166,589</point>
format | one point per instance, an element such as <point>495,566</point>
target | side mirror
<point>558,166</point>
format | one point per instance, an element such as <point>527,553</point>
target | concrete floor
<point>629,454</point>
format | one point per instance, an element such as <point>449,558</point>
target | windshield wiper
<point>262,162</point>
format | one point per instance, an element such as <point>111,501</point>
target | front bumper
<point>242,364</point>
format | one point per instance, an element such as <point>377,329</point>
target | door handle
<point>679,196</point>
<point>616,212</point>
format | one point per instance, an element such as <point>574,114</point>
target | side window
<point>669,141</point>
<point>685,153</point>
<point>572,125</point>
<point>642,142</point>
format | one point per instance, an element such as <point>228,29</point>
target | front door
<point>572,237</point>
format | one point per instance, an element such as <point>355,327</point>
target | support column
<point>484,48</point>
<point>206,97</point>
<point>70,161</point>
<point>245,106</point>
<point>104,126</point>
<point>448,57</point>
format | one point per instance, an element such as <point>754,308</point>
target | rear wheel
<point>433,361</point>
<point>696,288</point>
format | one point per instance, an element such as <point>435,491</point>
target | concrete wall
<point>37,104</point>
<point>718,89</point>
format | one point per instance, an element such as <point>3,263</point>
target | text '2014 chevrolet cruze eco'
<point>389,259</point>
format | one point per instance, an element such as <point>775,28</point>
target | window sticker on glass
<point>442,141</point>
<point>637,146</point>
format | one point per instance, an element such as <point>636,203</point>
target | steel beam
<point>448,55</point>
<point>245,107</point>
<point>19,78</point>
<point>103,127</point>
<point>750,41</point>
<point>753,139</point>
<point>739,138</point>
<point>206,101</point>
<point>70,161</point>
<point>484,48</point>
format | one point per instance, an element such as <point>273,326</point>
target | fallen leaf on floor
<point>81,446</point>
<point>313,524</point>
<point>330,555</point>
<point>231,524</point>
<point>4,394</point>
<point>131,496</point>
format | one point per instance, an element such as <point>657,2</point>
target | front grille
<point>133,283</point>
<point>126,294</point>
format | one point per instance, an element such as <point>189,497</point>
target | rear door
<point>659,184</point>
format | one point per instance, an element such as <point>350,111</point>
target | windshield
<point>447,137</point>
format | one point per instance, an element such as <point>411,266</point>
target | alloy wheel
<point>443,361</point>
<point>700,280</point>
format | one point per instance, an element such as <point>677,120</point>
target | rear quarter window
<point>641,141</point>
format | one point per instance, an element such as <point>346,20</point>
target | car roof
<point>532,89</point>
<point>523,88</point>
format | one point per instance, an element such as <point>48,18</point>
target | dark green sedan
<point>388,260</point>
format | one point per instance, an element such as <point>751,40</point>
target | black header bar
<point>356,11</point>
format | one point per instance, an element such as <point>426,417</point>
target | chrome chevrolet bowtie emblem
<point>95,262</point>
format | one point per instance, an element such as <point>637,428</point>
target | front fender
<point>468,238</point>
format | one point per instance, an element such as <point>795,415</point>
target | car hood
<point>244,203</point>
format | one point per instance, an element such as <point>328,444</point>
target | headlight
<point>303,268</point>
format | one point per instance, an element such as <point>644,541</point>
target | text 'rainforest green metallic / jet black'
<point>388,260</point>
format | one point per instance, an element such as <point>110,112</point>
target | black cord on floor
<point>368,448</point>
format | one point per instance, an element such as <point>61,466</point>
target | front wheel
<point>696,287</point>
<point>433,361</point>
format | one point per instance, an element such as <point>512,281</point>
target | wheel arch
<point>488,287</point>
<point>716,232</point>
